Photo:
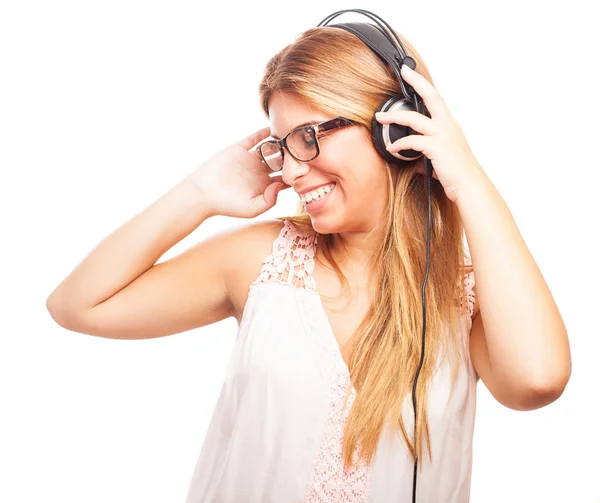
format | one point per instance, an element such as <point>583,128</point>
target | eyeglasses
<point>302,143</point>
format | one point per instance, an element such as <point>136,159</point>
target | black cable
<point>428,173</point>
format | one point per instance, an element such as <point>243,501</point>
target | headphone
<point>387,45</point>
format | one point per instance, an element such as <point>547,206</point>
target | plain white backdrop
<point>104,106</point>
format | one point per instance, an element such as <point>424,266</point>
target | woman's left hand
<point>441,139</point>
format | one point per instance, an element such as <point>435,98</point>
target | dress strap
<point>291,261</point>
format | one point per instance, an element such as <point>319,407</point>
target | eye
<point>307,137</point>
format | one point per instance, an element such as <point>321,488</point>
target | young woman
<point>316,403</point>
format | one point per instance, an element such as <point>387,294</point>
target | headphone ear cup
<point>386,134</point>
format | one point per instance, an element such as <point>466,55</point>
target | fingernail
<point>406,68</point>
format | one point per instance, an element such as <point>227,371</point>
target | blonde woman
<point>316,401</point>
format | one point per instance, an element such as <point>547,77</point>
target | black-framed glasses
<point>302,143</point>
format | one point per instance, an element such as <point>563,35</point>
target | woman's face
<point>347,158</point>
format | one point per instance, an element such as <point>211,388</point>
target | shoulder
<point>253,234</point>
<point>255,241</point>
<point>252,243</point>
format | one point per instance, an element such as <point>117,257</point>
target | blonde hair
<point>335,72</point>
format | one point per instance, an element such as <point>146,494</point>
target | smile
<point>322,196</point>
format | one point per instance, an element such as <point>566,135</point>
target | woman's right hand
<point>235,182</point>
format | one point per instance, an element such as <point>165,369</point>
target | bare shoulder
<point>254,243</point>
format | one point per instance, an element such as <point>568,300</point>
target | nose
<point>292,169</point>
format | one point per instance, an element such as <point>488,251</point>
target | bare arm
<point>117,291</point>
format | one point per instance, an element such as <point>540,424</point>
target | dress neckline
<point>309,266</point>
<point>330,331</point>
<point>291,263</point>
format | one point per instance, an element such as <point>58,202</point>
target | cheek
<point>345,154</point>
<point>352,164</point>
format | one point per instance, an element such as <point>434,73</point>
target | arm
<point>118,292</point>
<point>519,344</point>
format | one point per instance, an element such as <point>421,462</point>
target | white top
<point>276,434</point>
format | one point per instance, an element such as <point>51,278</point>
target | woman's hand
<point>235,182</point>
<point>441,139</point>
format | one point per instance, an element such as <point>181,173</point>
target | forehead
<point>288,111</point>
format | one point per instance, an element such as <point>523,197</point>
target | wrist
<point>473,187</point>
<point>196,197</point>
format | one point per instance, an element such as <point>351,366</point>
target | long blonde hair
<point>335,72</point>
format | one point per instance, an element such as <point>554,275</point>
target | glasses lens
<point>302,144</point>
<point>272,155</point>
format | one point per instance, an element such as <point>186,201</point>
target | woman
<point>316,402</point>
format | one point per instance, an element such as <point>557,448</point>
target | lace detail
<point>328,481</point>
<point>469,301</point>
<point>291,261</point>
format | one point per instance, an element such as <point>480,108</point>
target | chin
<point>325,224</point>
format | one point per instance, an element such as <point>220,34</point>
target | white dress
<point>276,432</point>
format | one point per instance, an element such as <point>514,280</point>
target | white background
<point>104,106</point>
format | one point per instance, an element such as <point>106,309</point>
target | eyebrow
<point>299,125</point>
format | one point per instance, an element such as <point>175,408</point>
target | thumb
<point>268,199</point>
<point>274,188</point>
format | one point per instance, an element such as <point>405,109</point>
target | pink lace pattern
<point>292,263</point>
<point>470,295</point>
<point>291,260</point>
<point>328,481</point>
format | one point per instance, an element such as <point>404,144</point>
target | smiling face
<point>347,157</point>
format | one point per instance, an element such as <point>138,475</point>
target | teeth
<point>317,194</point>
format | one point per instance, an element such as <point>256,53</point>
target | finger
<point>414,141</point>
<point>264,201</point>
<point>431,97</point>
<point>252,140</point>
<point>279,178</point>
<point>415,120</point>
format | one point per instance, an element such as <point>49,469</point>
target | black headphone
<point>380,40</point>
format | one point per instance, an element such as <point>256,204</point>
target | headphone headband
<point>378,39</point>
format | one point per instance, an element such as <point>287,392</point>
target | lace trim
<point>292,263</point>
<point>469,301</point>
<point>328,481</point>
